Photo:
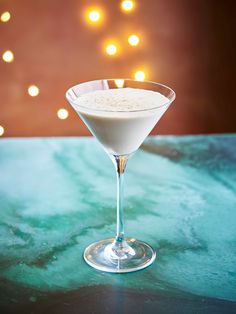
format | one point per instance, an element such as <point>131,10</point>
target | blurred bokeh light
<point>62,114</point>
<point>1,130</point>
<point>133,40</point>
<point>5,16</point>
<point>127,5</point>
<point>33,90</point>
<point>111,49</point>
<point>139,75</point>
<point>8,56</point>
<point>94,16</point>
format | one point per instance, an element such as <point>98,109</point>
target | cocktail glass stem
<point>120,248</point>
<point>120,164</point>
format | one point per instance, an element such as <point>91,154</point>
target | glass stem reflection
<point>121,162</point>
<point>119,249</point>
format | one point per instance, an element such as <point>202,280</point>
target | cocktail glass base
<point>100,256</point>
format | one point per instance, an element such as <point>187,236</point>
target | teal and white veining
<point>58,195</point>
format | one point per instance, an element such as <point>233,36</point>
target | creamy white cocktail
<point>120,113</point>
<point>121,118</point>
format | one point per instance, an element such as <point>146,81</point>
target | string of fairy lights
<point>93,16</point>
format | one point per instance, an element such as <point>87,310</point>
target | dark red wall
<point>186,44</point>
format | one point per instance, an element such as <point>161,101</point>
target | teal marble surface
<point>57,195</point>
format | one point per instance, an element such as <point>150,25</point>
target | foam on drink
<point>121,118</point>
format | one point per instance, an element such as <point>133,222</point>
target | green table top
<point>57,195</point>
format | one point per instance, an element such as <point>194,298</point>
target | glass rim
<point>173,96</point>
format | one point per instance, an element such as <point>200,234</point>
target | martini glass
<point>120,132</point>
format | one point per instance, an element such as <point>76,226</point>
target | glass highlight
<point>119,83</point>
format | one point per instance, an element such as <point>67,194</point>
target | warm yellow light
<point>1,130</point>
<point>5,17</point>
<point>133,40</point>
<point>94,16</point>
<point>62,114</point>
<point>139,75</point>
<point>127,5</point>
<point>111,49</point>
<point>33,90</point>
<point>119,83</point>
<point>8,56</point>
